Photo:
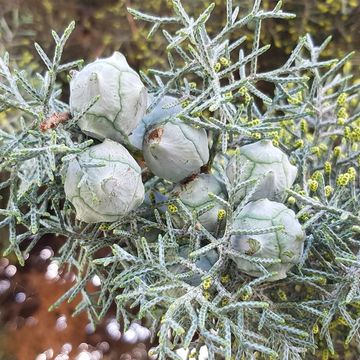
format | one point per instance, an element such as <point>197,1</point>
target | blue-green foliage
<point>311,112</point>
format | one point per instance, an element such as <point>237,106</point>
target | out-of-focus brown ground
<point>28,329</point>
<point>27,343</point>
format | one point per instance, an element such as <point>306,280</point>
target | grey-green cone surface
<point>262,160</point>
<point>168,106</point>
<point>195,195</point>
<point>175,150</point>
<point>104,183</point>
<point>122,103</point>
<point>285,245</point>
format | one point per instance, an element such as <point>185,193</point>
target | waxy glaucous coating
<point>175,150</point>
<point>286,245</point>
<point>122,103</point>
<point>205,262</point>
<point>112,186</point>
<point>263,159</point>
<point>195,195</point>
<point>166,108</point>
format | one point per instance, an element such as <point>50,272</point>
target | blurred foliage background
<point>104,26</point>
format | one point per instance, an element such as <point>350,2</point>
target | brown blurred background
<point>27,330</point>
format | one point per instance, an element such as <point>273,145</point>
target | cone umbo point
<point>112,186</point>
<point>285,245</point>
<point>175,150</point>
<point>167,107</point>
